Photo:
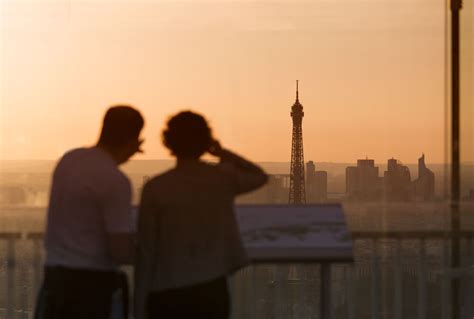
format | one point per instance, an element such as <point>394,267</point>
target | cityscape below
<point>362,183</point>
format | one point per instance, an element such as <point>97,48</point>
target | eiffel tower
<point>297,176</point>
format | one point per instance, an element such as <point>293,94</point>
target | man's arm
<point>118,223</point>
<point>147,232</point>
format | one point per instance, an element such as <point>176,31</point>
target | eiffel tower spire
<point>297,91</point>
<point>297,176</point>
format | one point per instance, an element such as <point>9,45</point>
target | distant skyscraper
<point>424,185</point>
<point>351,181</point>
<point>297,178</point>
<point>321,186</point>
<point>362,181</point>
<point>316,184</point>
<point>274,192</point>
<point>310,182</point>
<point>277,189</point>
<point>310,169</point>
<point>397,182</point>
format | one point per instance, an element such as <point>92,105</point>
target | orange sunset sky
<point>372,74</point>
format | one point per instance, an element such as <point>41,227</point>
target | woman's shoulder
<point>160,180</point>
<point>219,171</point>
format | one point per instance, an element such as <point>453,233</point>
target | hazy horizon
<point>210,159</point>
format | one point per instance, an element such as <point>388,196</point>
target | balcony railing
<point>395,275</point>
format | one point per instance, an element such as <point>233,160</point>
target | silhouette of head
<point>121,131</point>
<point>187,135</point>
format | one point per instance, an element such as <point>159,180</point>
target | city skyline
<point>28,182</point>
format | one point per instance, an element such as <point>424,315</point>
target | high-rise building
<point>274,192</point>
<point>310,182</point>
<point>297,177</point>
<point>425,183</point>
<point>351,181</point>
<point>362,181</point>
<point>321,186</point>
<point>397,182</point>
<point>316,184</point>
<point>278,186</point>
<point>310,169</point>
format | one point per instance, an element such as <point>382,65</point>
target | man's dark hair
<point>121,124</point>
<point>187,135</point>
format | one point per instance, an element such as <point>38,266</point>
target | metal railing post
<point>11,274</point>
<point>456,6</point>
<point>469,282</point>
<point>398,282</point>
<point>422,300</point>
<point>281,277</point>
<point>350,282</point>
<point>445,281</point>
<point>10,300</point>
<point>325,291</point>
<point>254,299</point>
<point>37,240</point>
<point>375,282</point>
<point>233,295</point>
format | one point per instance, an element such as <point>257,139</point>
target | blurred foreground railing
<point>395,275</point>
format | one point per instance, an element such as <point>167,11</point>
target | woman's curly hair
<point>187,134</point>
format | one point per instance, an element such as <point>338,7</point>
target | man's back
<point>89,198</point>
<point>88,225</point>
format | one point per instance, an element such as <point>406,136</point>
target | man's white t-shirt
<point>90,197</point>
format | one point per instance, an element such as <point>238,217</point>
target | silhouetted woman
<point>188,237</point>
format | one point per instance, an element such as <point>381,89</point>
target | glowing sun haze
<point>372,78</point>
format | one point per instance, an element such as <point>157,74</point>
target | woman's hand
<point>215,149</point>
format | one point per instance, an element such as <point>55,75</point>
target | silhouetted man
<point>88,231</point>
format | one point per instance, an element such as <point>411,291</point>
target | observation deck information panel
<point>311,233</point>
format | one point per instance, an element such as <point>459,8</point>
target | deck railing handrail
<point>390,234</point>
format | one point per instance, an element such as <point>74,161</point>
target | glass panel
<point>467,99</point>
<point>372,86</point>
<point>467,151</point>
